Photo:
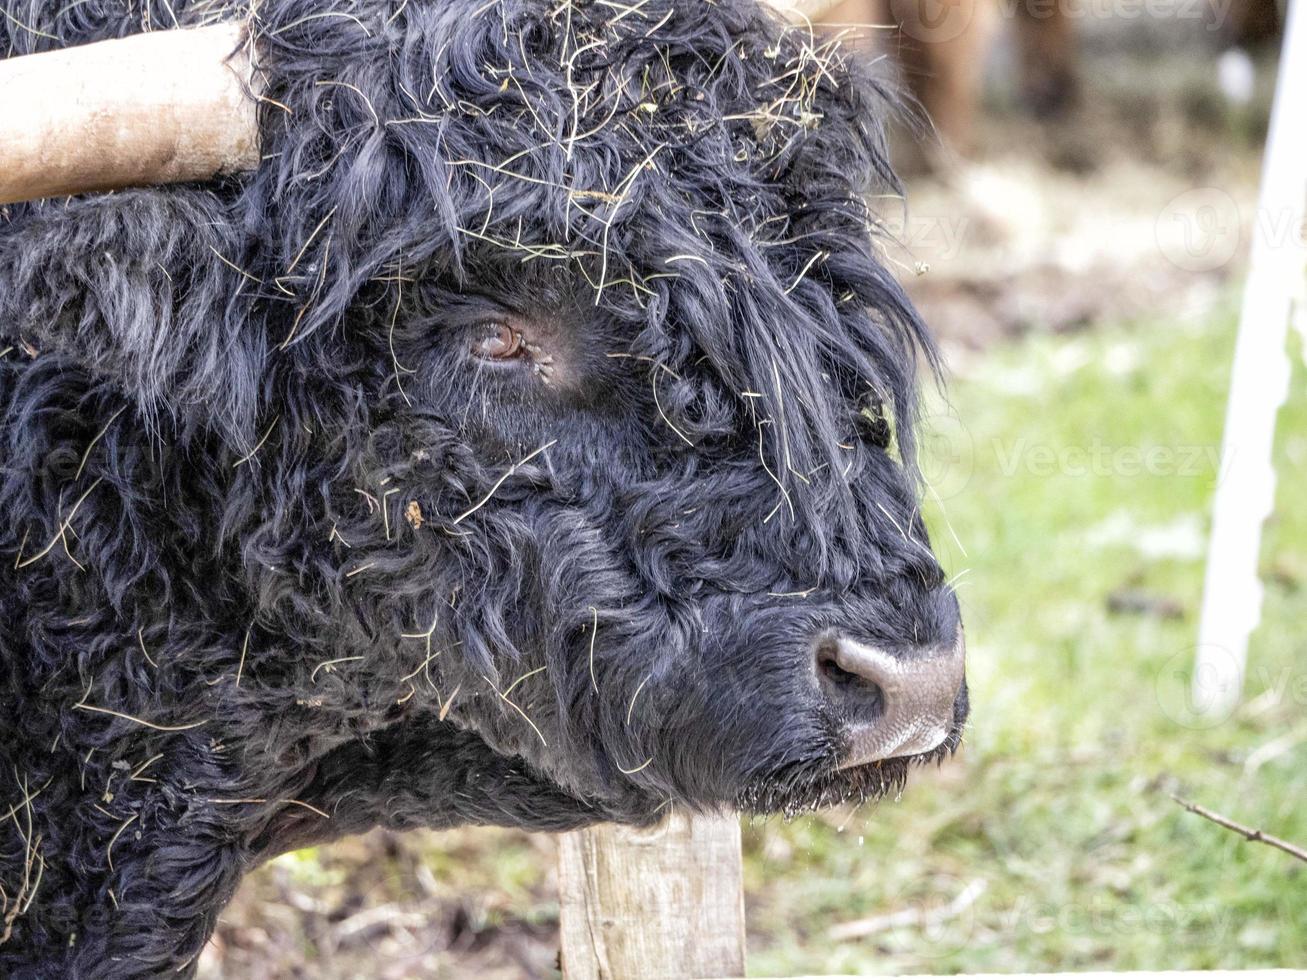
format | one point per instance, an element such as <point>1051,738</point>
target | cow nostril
<point>829,668</point>
<point>839,676</point>
<point>889,704</point>
<point>856,696</point>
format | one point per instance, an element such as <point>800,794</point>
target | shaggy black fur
<point>282,560</point>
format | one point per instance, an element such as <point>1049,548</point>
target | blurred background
<point>1076,232</point>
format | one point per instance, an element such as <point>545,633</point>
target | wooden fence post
<point>662,902</point>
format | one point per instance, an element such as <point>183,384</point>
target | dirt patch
<point>390,906</point>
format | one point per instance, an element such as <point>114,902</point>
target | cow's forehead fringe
<point>701,168</point>
<point>552,131</point>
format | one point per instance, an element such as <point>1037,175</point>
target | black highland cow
<point>522,444</point>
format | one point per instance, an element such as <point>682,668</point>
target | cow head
<point>556,390</point>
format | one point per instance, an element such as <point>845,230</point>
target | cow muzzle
<point>892,705</point>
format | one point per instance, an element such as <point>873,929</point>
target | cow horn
<point>803,10</point>
<point>147,109</point>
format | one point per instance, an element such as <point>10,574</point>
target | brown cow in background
<point>941,46</point>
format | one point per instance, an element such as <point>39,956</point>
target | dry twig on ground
<point>1248,833</point>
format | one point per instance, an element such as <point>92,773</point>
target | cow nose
<point>891,705</point>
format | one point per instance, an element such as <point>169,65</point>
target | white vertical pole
<point>1232,593</point>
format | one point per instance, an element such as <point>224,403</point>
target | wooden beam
<point>662,902</point>
<point>147,109</point>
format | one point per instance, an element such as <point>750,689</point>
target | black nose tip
<point>890,705</point>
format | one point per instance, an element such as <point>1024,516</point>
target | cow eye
<point>873,422</point>
<point>498,342</point>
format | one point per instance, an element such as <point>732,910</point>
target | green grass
<point>1085,468</point>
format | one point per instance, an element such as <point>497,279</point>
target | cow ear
<point>143,287</point>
